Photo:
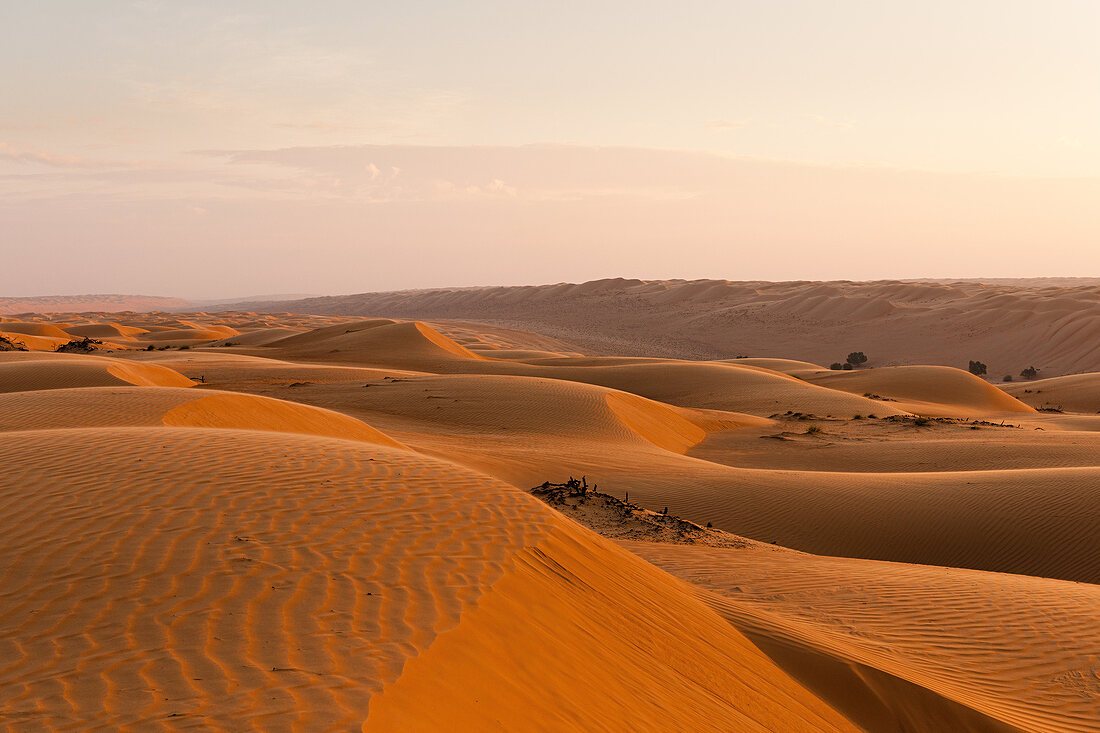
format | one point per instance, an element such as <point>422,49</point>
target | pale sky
<point>214,149</point>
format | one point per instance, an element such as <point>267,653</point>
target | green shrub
<point>856,358</point>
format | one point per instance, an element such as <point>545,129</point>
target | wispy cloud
<point>55,160</point>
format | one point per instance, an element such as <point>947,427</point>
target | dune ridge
<point>1008,325</point>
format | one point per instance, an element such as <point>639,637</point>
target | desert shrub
<point>7,344</point>
<point>836,366</point>
<point>976,368</point>
<point>920,422</point>
<point>79,346</point>
<point>814,430</point>
<point>857,417</point>
<point>150,347</point>
<point>857,358</point>
<point>185,347</point>
<point>1029,373</point>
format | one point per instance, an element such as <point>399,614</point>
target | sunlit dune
<point>233,521</point>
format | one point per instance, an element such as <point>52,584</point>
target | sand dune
<point>1073,393</point>
<point>406,345</point>
<point>944,630</point>
<point>174,335</point>
<point>926,390</point>
<point>33,329</point>
<point>327,529</point>
<point>249,589</point>
<point>969,512</point>
<point>708,385</point>
<point>79,303</point>
<point>35,343</point>
<point>1007,325</point>
<point>105,331</point>
<point>168,406</point>
<point>30,371</point>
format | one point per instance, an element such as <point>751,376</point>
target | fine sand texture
<point>280,521</point>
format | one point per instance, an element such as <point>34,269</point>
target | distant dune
<point>1052,324</point>
<point>83,303</point>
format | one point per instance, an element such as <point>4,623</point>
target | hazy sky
<point>213,149</point>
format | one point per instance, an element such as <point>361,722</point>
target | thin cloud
<point>55,160</point>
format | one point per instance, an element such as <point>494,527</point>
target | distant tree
<point>1008,377</point>
<point>857,358</point>
<point>847,366</point>
<point>836,365</point>
<point>1029,373</point>
<point>977,368</point>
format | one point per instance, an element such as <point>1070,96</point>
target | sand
<point>1008,325</point>
<point>306,523</point>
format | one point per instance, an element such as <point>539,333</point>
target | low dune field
<point>276,521</point>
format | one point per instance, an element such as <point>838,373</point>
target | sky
<point>215,149</point>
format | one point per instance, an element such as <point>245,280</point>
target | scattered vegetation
<point>7,344</point>
<point>85,345</point>
<point>857,358</point>
<point>977,368</point>
<point>1029,373</point>
<point>920,422</point>
<point>618,518</point>
<point>185,347</point>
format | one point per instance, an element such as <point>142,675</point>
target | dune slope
<point>227,579</point>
